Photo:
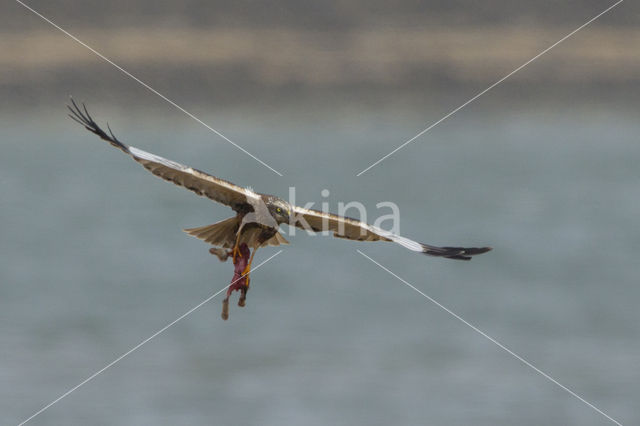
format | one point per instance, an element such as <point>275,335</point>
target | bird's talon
<point>246,271</point>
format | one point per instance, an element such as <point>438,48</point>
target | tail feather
<point>221,234</point>
<point>276,240</point>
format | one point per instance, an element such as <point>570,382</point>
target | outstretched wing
<point>195,180</point>
<point>352,229</point>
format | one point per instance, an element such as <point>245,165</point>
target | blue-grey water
<point>93,261</point>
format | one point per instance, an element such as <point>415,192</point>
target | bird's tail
<point>221,234</point>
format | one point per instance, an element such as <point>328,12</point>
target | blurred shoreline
<point>243,64</point>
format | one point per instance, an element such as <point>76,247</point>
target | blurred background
<point>544,168</point>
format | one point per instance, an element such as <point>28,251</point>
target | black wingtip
<point>82,116</point>
<point>457,253</point>
<point>472,251</point>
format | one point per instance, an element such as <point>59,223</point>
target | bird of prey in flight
<point>258,216</point>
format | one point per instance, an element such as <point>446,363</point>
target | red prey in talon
<point>240,281</point>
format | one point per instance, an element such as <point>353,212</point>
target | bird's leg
<point>247,269</point>
<point>236,247</point>
<point>235,253</point>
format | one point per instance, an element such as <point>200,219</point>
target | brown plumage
<point>258,216</point>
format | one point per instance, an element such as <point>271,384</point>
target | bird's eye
<point>279,210</point>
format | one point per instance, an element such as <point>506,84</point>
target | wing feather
<point>353,229</point>
<point>201,183</point>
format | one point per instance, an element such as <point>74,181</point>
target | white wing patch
<point>144,155</point>
<point>250,193</point>
<point>403,241</point>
